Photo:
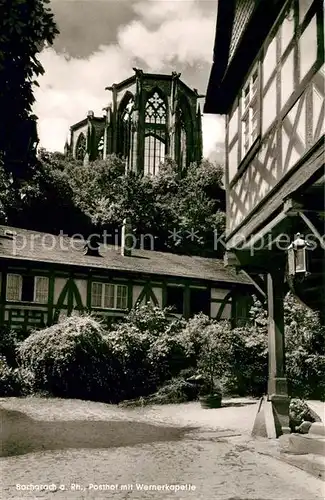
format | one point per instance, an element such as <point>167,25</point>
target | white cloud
<point>213,133</point>
<point>167,33</point>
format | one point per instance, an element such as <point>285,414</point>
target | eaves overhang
<point>226,75</point>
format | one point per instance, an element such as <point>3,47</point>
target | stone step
<point>313,464</point>
<point>302,444</point>
<point>317,428</point>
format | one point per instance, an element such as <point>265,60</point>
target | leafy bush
<point>193,334</point>
<point>8,344</point>
<point>70,359</point>
<point>248,361</point>
<point>305,352</point>
<point>7,379</point>
<point>306,374</point>
<point>79,358</point>
<point>148,349</point>
<point>299,412</point>
<point>15,381</point>
<point>214,356</point>
<point>176,390</point>
<point>149,318</point>
<point>305,346</point>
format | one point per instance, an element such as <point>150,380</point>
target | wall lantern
<point>297,256</point>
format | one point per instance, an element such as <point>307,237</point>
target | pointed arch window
<point>100,147</point>
<point>154,153</point>
<point>125,128</point>
<point>183,144</point>
<point>183,136</point>
<point>155,133</point>
<point>81,147</point>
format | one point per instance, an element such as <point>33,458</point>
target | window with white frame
<point>41,289</point>
<point>121,297</point>
<point>27,288</point>
<point>14,287</point>
<point>250,112</point>
<point>108,296</point>
<point>96,294</point>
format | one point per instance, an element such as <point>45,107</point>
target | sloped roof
<point>153,76</point>
<point>242,26</point>
<point>27,245</point>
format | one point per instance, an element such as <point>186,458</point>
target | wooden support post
<point>187,303</point>
<point>275,297</point>
<point>276,422</point>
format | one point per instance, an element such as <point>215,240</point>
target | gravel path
<point>202,464</point>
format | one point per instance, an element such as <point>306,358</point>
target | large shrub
<point>248,361</point>
<point>193,334</point>
<point>70,359</point>
<point>305,352</point>
<point>214,355</point>
<point>148,349</point>
<point>78,358</point>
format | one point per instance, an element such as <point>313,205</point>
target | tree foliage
<point>305,348</point>
<point>179,214</point>
<point>25,27</point>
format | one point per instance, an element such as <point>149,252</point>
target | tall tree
<point>26,26</point>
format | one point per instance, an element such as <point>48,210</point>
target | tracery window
<point>155,133</point>
<point>81,147</point>
<point>156,110</point>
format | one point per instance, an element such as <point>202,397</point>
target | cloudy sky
<point>101,41</point>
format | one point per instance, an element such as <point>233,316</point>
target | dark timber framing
<point>71,275</point>
<point>284,166</point>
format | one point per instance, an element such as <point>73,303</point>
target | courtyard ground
<point>89,450</point>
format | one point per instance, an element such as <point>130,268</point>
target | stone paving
<point>216,461</point>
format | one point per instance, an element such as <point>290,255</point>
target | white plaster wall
<point>217,293</point>
<point>136,290</point>
<point>214,308</point>
<point>58,287</point>
<point>82,287</point>
<point>226,313</point>
<point>158,293</point>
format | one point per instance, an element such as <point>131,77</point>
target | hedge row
<point>79,358</point>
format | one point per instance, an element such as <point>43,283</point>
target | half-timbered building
<point>44,277</point>
<point>150,117</point>
<point>268,80</point>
